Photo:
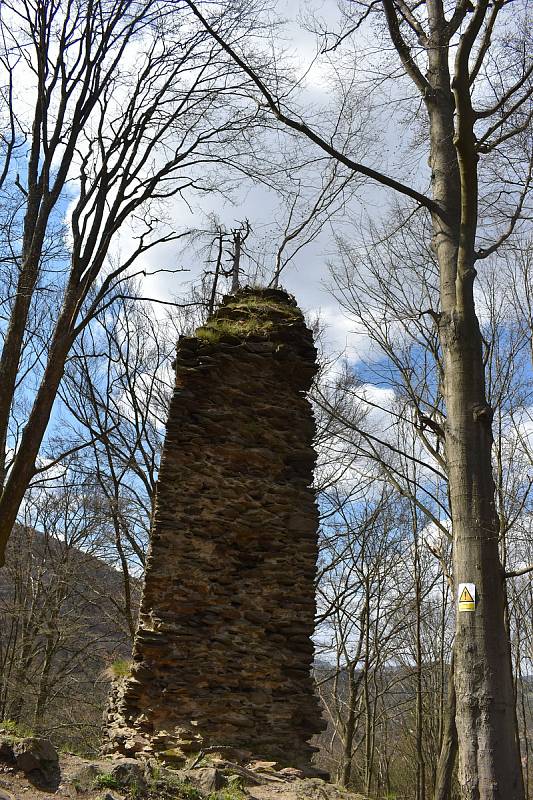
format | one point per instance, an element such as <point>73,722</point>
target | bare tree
<point>58,607</point>
<point>355,626</point>
<point>117,388</point>
<point>473,81</point>
<point>129,102</point>
<point>384,300</point>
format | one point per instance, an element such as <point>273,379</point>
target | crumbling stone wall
<point>223,651</point>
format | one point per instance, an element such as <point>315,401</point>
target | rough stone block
<point>207,779</point>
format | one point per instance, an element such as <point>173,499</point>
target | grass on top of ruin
<point>255,320</point>
<point>262,303</point>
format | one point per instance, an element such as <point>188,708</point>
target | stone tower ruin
<point>223,651</point>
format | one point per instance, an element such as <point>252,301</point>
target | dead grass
<point>256,318</point>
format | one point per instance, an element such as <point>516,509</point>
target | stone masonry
<point>223,651</point>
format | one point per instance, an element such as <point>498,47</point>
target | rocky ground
<point>31,769</point>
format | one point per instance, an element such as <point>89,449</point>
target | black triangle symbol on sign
<point>466,597</point>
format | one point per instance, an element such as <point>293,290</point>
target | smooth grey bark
<point>489,756</point>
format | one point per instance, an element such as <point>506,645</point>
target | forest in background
<point>153,111</point>
<point>385,601</point>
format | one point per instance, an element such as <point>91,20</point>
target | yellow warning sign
<point>466,597</point>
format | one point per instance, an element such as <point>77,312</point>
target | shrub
<point>120,668</point>
<point>106,781</point>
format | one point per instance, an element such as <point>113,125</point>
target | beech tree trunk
<point>489,755</point>
<point>489,763</point>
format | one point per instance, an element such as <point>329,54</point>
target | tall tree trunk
<point>366,696</point>
<point>44,682</point>
<point>489,758</point>
<point>489,763</point>
<point>11,353</point>
<point>17,702</point>
<point>214,286</point>
<point>448,750</point>
<point>349,731</point>
<point>525,716</point>
<point>236,266</point>
<point>420,763</point>
<point>23,467</point>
